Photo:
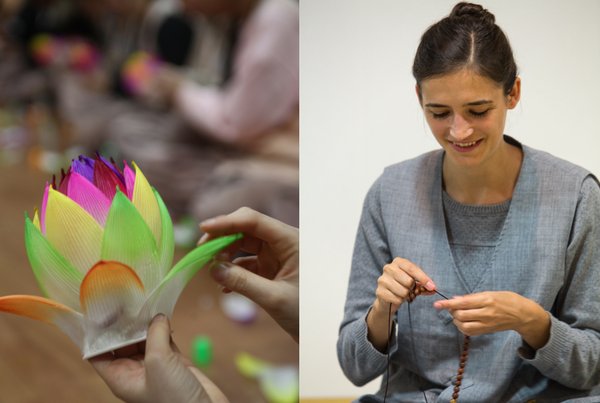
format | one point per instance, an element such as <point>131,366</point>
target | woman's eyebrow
<point>474,103</point>
<point>480,102</point>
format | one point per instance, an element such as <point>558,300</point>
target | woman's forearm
<point>378,325</point>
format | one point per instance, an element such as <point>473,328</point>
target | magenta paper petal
<point>129,180</point>
<point>88,196</point>
<point>105,179</point>
<point>63,187</point>
<point>43,210</point>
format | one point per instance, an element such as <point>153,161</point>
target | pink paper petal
<point>88,196</point>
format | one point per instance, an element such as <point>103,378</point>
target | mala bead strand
<point>415,291</point>
<point>461,368</point>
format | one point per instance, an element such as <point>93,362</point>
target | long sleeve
<point>359,359</point>
<point>572,354</point>
<point>263,91</point>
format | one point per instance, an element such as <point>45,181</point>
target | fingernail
<point>208,222</point>
<point>430,286</point>
<point>220,271</point>
<point>438,305</point>
<point>159,318</point>
<point>203,238</point>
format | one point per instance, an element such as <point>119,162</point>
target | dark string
<point>387,371</point>
<point>440,294</point>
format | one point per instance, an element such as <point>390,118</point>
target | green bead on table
<point>202,351</point>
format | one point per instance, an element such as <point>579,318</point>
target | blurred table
<point>40,364</point>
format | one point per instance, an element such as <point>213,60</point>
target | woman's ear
<point>514,95</point>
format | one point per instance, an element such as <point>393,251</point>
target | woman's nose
<point>460,128</point>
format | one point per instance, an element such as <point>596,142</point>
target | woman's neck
<point>490,183</point>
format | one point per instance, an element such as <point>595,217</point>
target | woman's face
<point>466,113</point>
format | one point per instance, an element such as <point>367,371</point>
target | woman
<point>508,232</point>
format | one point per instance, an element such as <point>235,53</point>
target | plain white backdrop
<point>359,113</point>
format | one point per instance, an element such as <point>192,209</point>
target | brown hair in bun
<point>467,38</point>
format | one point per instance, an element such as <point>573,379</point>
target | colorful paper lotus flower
<point>75,52</point>
<point>138,71</point>
<point>101,249</point>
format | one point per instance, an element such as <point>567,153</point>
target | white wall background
<point>359,113</point>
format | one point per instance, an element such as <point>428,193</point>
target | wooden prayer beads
<point>417,290</point>
<point>461,368</point>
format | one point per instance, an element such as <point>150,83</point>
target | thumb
<point>240,280</point>
<point>159,337</point>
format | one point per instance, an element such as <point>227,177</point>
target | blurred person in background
<point>217,125</point>
<point>21,75</point>
<point>212,148</point>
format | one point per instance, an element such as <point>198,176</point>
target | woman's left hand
<point>495,311</point>
<point>156,372</point>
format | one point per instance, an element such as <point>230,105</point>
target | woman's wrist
<point>378,325</point>
<point>535,328</point>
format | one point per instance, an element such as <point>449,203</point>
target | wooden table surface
<point>40,364</point>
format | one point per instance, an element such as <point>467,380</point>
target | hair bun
<point>475,11</point>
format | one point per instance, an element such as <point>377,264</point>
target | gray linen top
<point>548,250</point>
<point>473,233</point>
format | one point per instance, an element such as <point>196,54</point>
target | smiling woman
<point>511,231</point>
<point>472,207</point>
<point>466,113</point>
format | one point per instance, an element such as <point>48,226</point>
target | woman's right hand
<point>397,283</point>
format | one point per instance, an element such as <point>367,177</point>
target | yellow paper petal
<point>145,202</point>
<point>57,278</point>
<point>74,233</point>
<point>36,220</point>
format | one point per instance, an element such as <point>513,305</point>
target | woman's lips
<point>465,146</point>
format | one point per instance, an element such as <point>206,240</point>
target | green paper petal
<point>56,277</point>
<point>164,297</point>
<point>72,231</point>
<point>46,310</point>
<point>127,239</point>
<point>166,246</point>
<point>146,204</point>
